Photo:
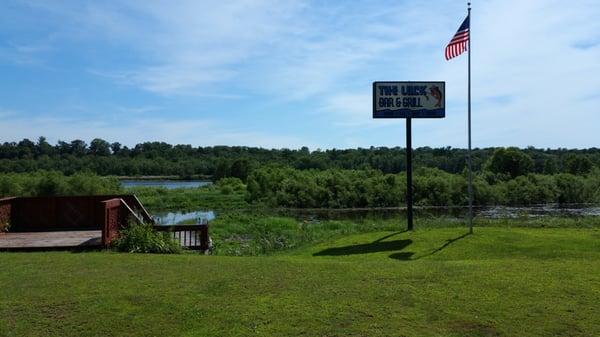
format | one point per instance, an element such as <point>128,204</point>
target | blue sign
<point>409,99</point>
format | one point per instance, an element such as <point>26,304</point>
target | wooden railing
<point>190,236</point>
<point>38,214</point>
<point>6,205</point>
<point>136,206</point>
<point>107,213</point>
<point>117,213</point>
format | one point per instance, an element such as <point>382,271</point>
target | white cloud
<point>130,132</point>
<point>534,81</point>
<point>536,74</point>
<point>138,110</point>
<point>188,46</point>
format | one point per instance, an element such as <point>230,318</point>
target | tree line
<point>337,188</point>
<point>158,158</point>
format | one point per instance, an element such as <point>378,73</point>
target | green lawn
<point>431,282</point>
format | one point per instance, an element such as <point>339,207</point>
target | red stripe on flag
<point>457,45</point>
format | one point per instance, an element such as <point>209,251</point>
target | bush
<point>141,238</point>
<point>337,188</point>
<point>519,191</point>
<point>53,183</point>
<point>571,188</point>
<point>230,185</point>
<point>483,193</point>
<point>4,226</point>
<point>593,186</point>
<point>226,190</point>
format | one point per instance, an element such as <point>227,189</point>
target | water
<point>168,184</point>
<point>173,218</point>
<point>569,211</point>
<point>489,212</point>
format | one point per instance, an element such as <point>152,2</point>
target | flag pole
<point>469,163</point>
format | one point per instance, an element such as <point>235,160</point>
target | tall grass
<point>260,234</point>
<point>157,199</point>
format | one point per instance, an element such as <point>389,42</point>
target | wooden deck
<point>63,239</point>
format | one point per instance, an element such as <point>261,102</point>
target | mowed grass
<point>430,282</point>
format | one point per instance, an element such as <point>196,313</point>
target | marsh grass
<point>189,199</point>
<point>259,233</point>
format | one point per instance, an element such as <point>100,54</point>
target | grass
<point>434,281</point>
<point>260,234</point>
<point>188,199</point>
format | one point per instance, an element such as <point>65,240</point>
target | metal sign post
<point>409,100</point>
<point>469,156</point>
<point>409,191</point>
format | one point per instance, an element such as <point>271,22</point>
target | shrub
<point>4,226</point>
<point>593,186</point>
<point>141,238</point>
<point>483,193</point>
<point>226,190</point>
<point>571,188</point>
<point>520,191</point>
<point>433,188</point>
<point>230,185</point>
<point>53,183</point>
<point>337,188</point>
<point>546,190</point>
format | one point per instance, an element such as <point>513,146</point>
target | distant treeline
<point>158,158</point>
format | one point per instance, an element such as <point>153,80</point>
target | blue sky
<point>281,74</point>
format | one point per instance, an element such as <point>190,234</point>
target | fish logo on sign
<point>437,94</point>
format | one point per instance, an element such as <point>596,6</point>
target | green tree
<point>99,147</point>
<point>115,147</point>
<point>44,148</point>
<point>511,161</point>
<point>78,147</point>
<point>222,170</point>
<point>26,148</point>
<point>578,164</point>
<point>240,169</point>
<point>550,166</point>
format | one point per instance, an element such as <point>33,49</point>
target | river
<point>168,184</point>
<point>489,212</point>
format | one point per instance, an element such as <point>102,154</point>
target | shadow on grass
<point>374,247</point>
<point>408,255</point>
<point>385,246</point>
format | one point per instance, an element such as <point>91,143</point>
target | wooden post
<point>204,238</point>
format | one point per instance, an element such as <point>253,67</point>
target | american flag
<point>459,42</point>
